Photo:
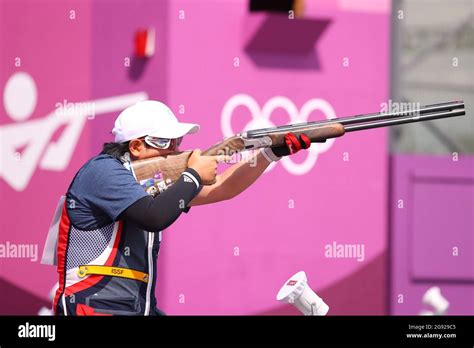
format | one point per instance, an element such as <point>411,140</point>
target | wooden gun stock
<point>170,166</point>
<point>157,173</point>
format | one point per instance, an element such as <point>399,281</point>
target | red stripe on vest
<point>61,253</point>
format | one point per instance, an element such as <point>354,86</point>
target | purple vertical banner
<point>231,70</point>
<point>44,134</point>
<point>432,244</point>
<point>68,69</point>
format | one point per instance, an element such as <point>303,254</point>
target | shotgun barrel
<point>375,120</point>
<point>404,120</point>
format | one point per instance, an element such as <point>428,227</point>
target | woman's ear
<point>135,146</point>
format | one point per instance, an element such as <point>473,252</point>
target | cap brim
<point>175,131</point>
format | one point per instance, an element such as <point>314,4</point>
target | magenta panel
<point>431,238</point>
<point>443,214</point>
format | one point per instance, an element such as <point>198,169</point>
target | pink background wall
<point>334,200</point>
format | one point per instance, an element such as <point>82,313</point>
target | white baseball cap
<point>150,117</point>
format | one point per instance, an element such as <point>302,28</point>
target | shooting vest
<point>110,270</point>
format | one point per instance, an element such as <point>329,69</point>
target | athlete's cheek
<point>165,152</point>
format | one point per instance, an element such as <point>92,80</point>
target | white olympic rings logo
<point>261,119</point>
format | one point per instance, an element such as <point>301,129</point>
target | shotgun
<point>157,173</point>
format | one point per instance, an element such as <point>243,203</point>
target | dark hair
<point>116,150</point>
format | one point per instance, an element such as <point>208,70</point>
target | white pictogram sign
<point>34,136</point>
